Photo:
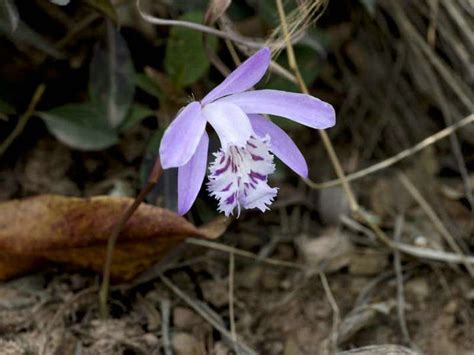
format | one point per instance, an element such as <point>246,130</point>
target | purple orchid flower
<point>238,175</point>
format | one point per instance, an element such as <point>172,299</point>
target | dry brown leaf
<point>74,231</point>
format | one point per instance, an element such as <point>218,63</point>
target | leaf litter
<point>280,305</point>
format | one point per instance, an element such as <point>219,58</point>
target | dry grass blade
<point>396,158</point>
<point>243,348</point>
<point>324,136</point>
<point>245,254</point>
<point>235,37</point>
<point>298,21</point>
<point>23,119</point>
<point>380,350</point>
<point>336,313</point>
<point>434,218</point>
<point>399,224</point>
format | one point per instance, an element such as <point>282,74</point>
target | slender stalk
<point>112,241</point>
<point>201,28</point>
<point>23,119</point>
<point>324,136</point>
<point>446,132</point>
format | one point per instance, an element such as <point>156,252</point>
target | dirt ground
<point>312,276</point>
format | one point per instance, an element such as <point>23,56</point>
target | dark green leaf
<point>186,60</point>
<point>80,126</point>
<point>136,114</point>
<point>24,35</point>
<point>148,85</point>
<point>111,77</point>
<point>6,108</point>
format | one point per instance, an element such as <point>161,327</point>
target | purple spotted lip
<point>238,176</point>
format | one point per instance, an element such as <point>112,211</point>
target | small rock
<point>418,287</point>
<point>332,204</point>
<point>184,318</point>
<point>291,348</point>
<point>186,344</point>
<point>150,340</point>
<point>216,292</point>
<point>270,279</point>
<point>9,347</point>
<point>221,349</point>
<point>249,277</point>
<point>368,262</point>
<point>331,251</point>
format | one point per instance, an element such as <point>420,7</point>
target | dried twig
<point>231,300</point>
<point>396,158</point>
<point>324,136</point>
<point>251,43</point>
<point>23,119</point>
<point>243,348</point>
<point>418,252</point>
<point>155,175</point>
<point>400,221</point>
<point>408,185</point>
<point>246,254</point>
<point>336,314</point>
<point>165,326</point>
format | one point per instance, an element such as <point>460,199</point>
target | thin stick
<point>231,300</point>
<point>245,254</point>
<point>400,221</point>
<point>23,119</point>
<point>433,254</point>
<point>165,326</point>
<point>396,158</point>
<point>199,27</point>
<point>336,314</point>
<point>324,136</point>
<point>413,191</point>
<point>204,314</point>
<point>418,252</point>
<point>104,288</point>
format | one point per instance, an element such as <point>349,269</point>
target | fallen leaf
<point>215,228</point>
<point>331,251</point>
<point>74,231</point>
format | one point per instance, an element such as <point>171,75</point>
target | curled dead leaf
<point>74,231</point>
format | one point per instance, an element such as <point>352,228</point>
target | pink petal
<point>182,136</point>
<point>243,78</point>
<point>230,123</point>
<point>191,175</point>
<point>281,144</point>
<point>301,108</point>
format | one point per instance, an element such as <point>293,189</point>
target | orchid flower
<point>238,176</point>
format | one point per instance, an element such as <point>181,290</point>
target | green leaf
<point>80,126</point>
<point>24,35</point>
<point>6,108</point>
<point>105,7</point>
<point>111,77</point>
<point>136,114</point>
<point>148,85</point>
<point>185,59</point>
